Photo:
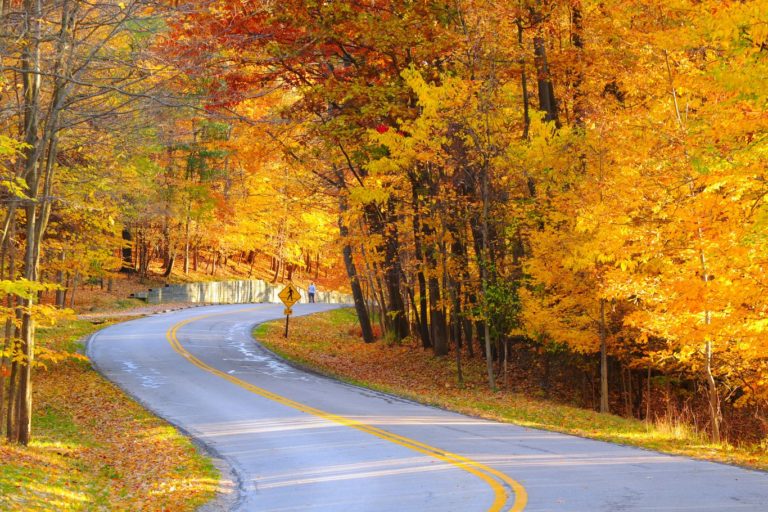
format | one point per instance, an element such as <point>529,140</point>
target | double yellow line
<point>494,478</point>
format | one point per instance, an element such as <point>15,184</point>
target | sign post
<point>290,296</point>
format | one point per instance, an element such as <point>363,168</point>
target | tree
<point>65,58</point>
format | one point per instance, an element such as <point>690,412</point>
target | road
<point>298,441</point>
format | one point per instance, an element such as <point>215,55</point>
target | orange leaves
<point>324,341</point>
<point>124,452</point>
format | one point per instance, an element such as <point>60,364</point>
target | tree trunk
<point>484,262</point>
<point>169,265</point>
<point>9,343</point>
<point>354,281</point>
<point>9,348</point>
<point>456,324</point>
<point>30,63</point>
<point>11,430</point>
<point>169,246</point>
<point>75,279</point>
<point>438,329</point>
<point>127,252</point>
<point>715,413</point>
<point>547,101</point>
<point>648,393</point>
<point>376,292</point>
<point>523,79</point>
<point>186,245</point>
<point>579,107</point>
<point>7,354</point>
<point>459,253</point>
<point>604,407</point>
<point>468,336</point>
<point>144,257</point>
<point>436,316</point>
<point>392,276</point>
<point>426,340</point>
<point>60,293</point>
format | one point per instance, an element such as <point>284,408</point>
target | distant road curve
<point>298,441</point>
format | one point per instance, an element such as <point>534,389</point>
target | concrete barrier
<point>233,292</point>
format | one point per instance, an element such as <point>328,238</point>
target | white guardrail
<point>232,292</point>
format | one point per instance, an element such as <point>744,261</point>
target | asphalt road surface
<point>298,441</point>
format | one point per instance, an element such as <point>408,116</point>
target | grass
<point>68,336</point>
<point>327,342</point>
<point>343,317</point>
<point>129,303</point>
<point>93,448</point>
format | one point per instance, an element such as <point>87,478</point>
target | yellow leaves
<point>362,195</point>
<point>586,222</point>
<point>10,148</point>
<point>453,92</point>
<point>44,356</point>
<point>759,33</point>
<point>23,288</point>
<point>759,326</point>
<point>627,265</point>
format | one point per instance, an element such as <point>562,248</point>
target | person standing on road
<point>311,290</point>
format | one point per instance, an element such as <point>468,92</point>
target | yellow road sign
<point>287,311</point>
<point>289,295</point>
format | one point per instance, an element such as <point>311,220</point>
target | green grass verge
<point>67,336</point>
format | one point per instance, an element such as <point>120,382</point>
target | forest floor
<point>329,343</point>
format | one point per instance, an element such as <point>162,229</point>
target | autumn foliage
<point>550,176</point>
<point>527,178</point>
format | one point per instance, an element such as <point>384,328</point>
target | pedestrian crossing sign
<point>289,295</point>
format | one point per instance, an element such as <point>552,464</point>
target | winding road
<point>299,441</point>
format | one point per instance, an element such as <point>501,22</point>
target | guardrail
<point>232,292</point>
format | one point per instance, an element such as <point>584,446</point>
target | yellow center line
<point>494,478</point>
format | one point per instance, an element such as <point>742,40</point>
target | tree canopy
<point>546,176</point>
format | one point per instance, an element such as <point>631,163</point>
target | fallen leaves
<point>95,449</point>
